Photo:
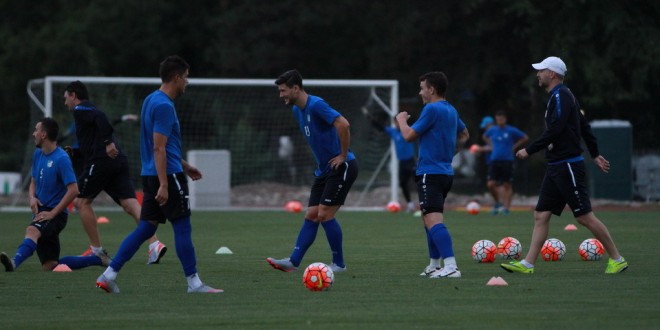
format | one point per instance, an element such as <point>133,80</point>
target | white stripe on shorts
<point>572,175</point>
<point>178,186</point>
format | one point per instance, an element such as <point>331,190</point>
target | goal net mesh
<point>270,160</point>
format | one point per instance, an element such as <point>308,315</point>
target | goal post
<point>270,161</point>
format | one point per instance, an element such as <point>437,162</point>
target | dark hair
<point>171,66</point>
<point>78,88</point>
<point>290,78</point>
<point>500,113</point>
<point>50,126</point>
<point>437,80</point>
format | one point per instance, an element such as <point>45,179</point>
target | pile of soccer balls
<point>485,251</point>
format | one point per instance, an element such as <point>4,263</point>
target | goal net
<point>270,162</point>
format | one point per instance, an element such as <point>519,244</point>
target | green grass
<point>382,289</point>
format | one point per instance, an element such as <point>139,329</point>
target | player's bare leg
<point>88,219</point>
<point>539,235</point>
<point>601,233</point>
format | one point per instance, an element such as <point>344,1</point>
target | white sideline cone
<point>224,250</point>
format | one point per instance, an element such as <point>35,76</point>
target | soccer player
<point>405,153</point>
<point>328,135</point>
<point>105,168</point>
<point>437,129</point>
<point>504,140</point>
<point>564,181</point>
<point>52,187</point>
<point>163,179</point>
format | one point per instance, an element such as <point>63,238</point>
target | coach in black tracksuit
<point>564,181</point>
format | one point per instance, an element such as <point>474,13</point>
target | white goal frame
<point>392,110</point>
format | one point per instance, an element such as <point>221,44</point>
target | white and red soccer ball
<point>393,207</point>
<point>509,248</point>
<point>553,250</point>
<point>484,251</point>
<point>591,249</point>
<point>318,277</point>
<point>293,206</point>
<point>473,207</point>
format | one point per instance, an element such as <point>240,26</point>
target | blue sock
<point>132,243</point>
<point>433,250</point>
<point>306,237</point>
<point>335,237</point>
<point>184,245</point>
<point>78,262</point>
<point>442,240</point>
<point>24,251</point>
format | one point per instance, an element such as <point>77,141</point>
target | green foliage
<point>485,47</point>
<point>382,288</point>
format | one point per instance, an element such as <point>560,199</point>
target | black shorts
<point>332,188</point>
<point>407,170</point>
<point>111,175</point>
<point>433,190</point>
<point>564,184</point>
<point>178,203</point>
<point>48,246</point>
<point>500,171</point>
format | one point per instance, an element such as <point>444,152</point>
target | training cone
<point>224,250</point>
<point>62,268</point>
<point>570,227</point>
<point>102,220</point>
<point>497,281</point>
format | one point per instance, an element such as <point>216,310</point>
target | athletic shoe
<point>337,269</point>
<point>88,252</point>
<point>496,208</point>
<point>504,211</point>
<point>106,284</point>
<point>613,267</point>
<point>105,258</point>
<point>205,289</point>
<point>154,255</point>
<point>517,267</point>
<point>411,207</point>
<point>284,265</point>
<point>452,272</point>
<point>10,266</point>
<point>429,269</point>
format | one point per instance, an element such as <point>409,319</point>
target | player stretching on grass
<point>564,181</point>
<point>327,133</point>
<point>52,188</point>
<point>438,128</point>
<point>163,179</point>
<point>105,168</point>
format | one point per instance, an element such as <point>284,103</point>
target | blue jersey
<point>404,149</point>
<point>438,128</point>
<point>51,174</point>
<point>502,140</point>
<point>159,116</point>
<point>316,122</point>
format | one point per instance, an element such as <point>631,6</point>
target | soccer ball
<point>509,248</point>
<point>318,277</point>
<point>553,250</point>
<point>591,249</point>
<point>293,206</point>
<point>393,207</point>
<point>473,207</point>
<point>484,251</point>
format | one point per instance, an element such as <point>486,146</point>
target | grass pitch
<point>382,289</point>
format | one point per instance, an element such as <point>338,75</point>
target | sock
<point>96,249</point>
<point>184,245</point>
<point>619,259</point>
<point>433,250</point>
<point>78,262</point>
<point>436,262</point>
<point>24,251</point>
<point>526,264</point>
<point>110,273</point>
<point>442,240</point>
<point>131,244</point>
<point>451,262</point>
<point>335,238</point>
<point>194,281</point>
<point>306,237</point>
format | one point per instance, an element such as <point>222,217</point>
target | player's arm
<point>520,142</point>
<point>344,133</point>
<point>34,201</point>
<point>463,136</point>
<point>558,113</point>
<point>191,171</point>
<point>407,132</point>
<point>71,193</point>
<point>160,161</point>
